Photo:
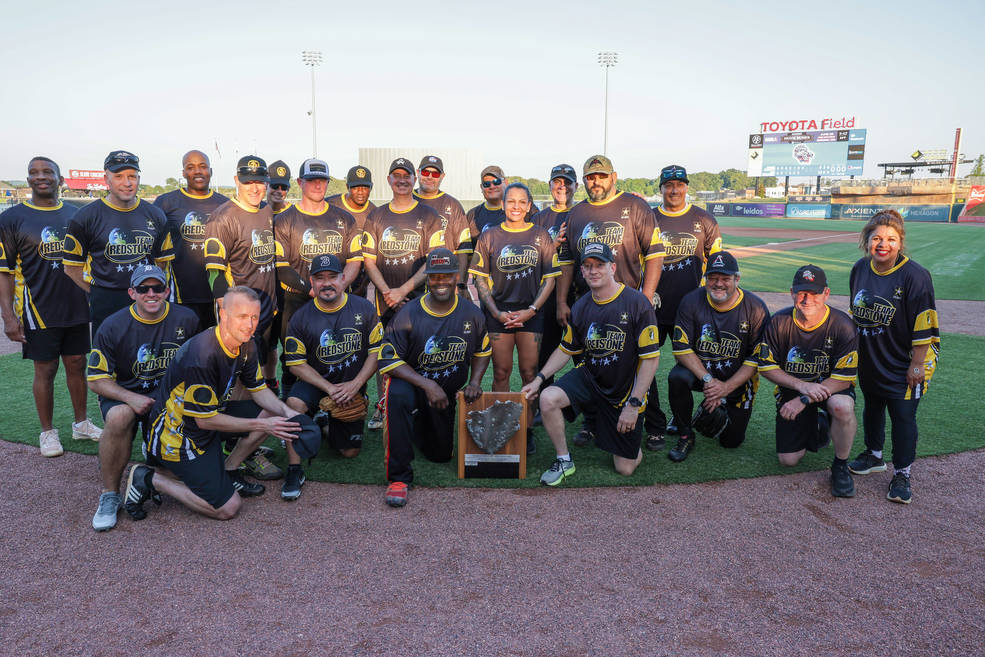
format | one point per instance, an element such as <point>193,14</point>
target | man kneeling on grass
<point>189,413</point>
<point>616,330</point>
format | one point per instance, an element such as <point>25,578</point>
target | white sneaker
<point>86,430</point>
<point>50,445</point>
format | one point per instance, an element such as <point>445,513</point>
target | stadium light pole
<point>312,58</point>
<point>607,60</point>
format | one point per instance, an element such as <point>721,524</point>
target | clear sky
<point>516,81</point>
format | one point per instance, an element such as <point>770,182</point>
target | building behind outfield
<point>462,167</point>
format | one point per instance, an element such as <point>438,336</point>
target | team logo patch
<point>697,227</point>
<point>124,246</point>
<point>152,361</point>
<point>603,340</point>
<point>869,310</point>
<point>678,246</point>
<point>193,227</point>
<point>467,327</point>
<point>262,247</point>
<point>808,275</point>
<point>52,242</point>
<point>517,258</point>
<point>253,164</point>
<point>744,327</point>
<point>623,318</point>
<point>337,346</point>
<point>281,172</point>
<point>607,232</point>
<point>898,293</point>
<point>829,342</point>
<point>803,154</point>
<point>718,262</point>
<point>316,242</point>
<point>432,159</point>
<point>179,333</point>
<point>441,352</point>
<point>357,319</point>
<point>360,173</point>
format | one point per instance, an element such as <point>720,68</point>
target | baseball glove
<point>351,412</point>
<point>710,424</point>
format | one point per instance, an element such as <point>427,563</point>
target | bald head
<point>197,170</point>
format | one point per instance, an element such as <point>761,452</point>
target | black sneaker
<point>672,429</point>
<point>139,490</point>
<point>655,442</point>
<point>531,445</point>
<point>582,438</point>
<point>867,463</point>
<point>244,487</point>
<point>685,445</point>
<point>842,484</point>
<point>293,481</point>
<point>899,489</point>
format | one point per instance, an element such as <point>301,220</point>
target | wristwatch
<point>805,400</point>
<point>634,402</point>
<point>706,378</point>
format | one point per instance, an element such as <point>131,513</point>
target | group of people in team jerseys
<point>183,298</point>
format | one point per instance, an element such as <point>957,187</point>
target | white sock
<point>877,453</point>
<point>564,457</point>
<point>905,470</point>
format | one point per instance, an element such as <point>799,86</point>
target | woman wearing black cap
<point>515,264</point>
<point>899,339</point>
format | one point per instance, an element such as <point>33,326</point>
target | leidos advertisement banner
<point>909,212</point>
<point>809,210</point>
<point>758,209</point>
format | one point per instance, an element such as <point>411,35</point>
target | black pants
<point>103,302</point>
<point>680,383</point>
<point>291,304</point>
<point>903,414</point>
<point>655,422</point>
<point>411,421</point>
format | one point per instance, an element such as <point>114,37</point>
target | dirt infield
<point>771,566</point>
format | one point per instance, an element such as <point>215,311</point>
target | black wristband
<point>805,400</point>
<point>540,375</point>
<point>462,286</point>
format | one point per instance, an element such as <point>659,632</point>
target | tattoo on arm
<point>485,294</point>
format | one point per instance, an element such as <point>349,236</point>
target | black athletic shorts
<point>802,431</point>
<point>243,408</point>
<point>50,343</point>
<point>206,475</point>
<point>340,435</point>
<point>533,325</point>
<point>105,405</point>
<point>205,311</point>
<point>103,302</point>
<point>577,386</point>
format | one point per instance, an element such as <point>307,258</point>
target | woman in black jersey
<point>515,264</point>
<point>898,339</point>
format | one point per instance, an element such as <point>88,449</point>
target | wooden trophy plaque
<point>510,462</point>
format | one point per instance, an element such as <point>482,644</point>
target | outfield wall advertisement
<point>758,210</point>
<point>974,209</point>
<point>938,213</point>
<point>809,210</point>
<point>909,212</point>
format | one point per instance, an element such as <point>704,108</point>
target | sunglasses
<point>144,289</point>
<point>486,184</point>
<point>674,174</point>
<point>430,173</point>
<point>282,188</point>
<point>123,159</point>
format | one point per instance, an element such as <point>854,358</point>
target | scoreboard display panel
<point>821,153</point>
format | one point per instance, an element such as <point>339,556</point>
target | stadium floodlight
<point>312,58</point>
<point>607,59</point>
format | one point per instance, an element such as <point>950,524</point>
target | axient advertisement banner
<point>909,212</point>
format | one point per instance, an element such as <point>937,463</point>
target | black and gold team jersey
<point>482,217</point>
<point>240,246</point>
<point>614,336</point>
<point>304,236</point>
<point>115,241</point>
<point>624,222</point>
<point>31,243</point>
<point>339,201</point>
<point>438,347</point>
<point>459,233</point>
<point>514,262</point>
<point>893,313</point>
<point>724,340</point>
<point>551,219</point>
<point>135,352</point>
<point>187,215</point>
<point>335,343</point>
<point>198,383</point>
<point>398,242</point>
<point>829,350</point>
<point>689,237</point>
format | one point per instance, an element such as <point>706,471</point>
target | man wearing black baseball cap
<point>689,235</point>
<point>330,345</point>
<point>130,353</point>
<point>717,331</point>
<point>458,234</point>
<point>114,236</point>
<point>280,185</point>
<point>429,349</point>
<point>355,201</point>
<point>810,351</point>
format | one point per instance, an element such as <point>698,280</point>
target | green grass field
<point>942,431</point>
<point>953,253</point>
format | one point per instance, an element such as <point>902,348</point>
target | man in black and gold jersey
<point>716,335</point>
<point>615,329</point>
<point>689,235</point>
<point>458,233</point>
<point>280,185</point>
<point>623,221</point>
<point>130,353</point>
<point>331,346</point>
<point>307,230</point>
<point>490,212</point>
<point>564,184</point>
<point>810,351</point>
<point>188,210</point>
<point>115,235</point>
<point>355,201</point>
<point>193,403</point>
<point>41,308</point>
<point>435,346</point>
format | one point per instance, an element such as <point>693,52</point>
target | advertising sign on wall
<point>809,210</point>
<point>974,209</point>
<point>758,209</point>
<point>909,212</point>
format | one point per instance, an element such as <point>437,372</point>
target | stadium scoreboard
<point>806,153</point>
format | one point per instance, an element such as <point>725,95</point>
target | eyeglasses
<point>282,188</point>
<point>486,184</point>
<point>144,289</point>
<point>430,173</point>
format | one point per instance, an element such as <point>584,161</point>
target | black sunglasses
<point>677,174</point>
<point>486,184</point>
<point>283,188</point>
<point>144,289</point>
